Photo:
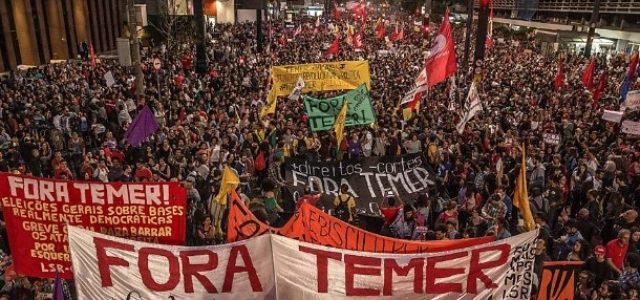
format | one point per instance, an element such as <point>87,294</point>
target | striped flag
<point>630,77</point>
<point>471,108</point>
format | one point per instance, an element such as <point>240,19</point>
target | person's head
<point>452,225</point>
<point>441,232</point>
<point>633,260</point>
<point>623,236</point>
<point>452,205</point>
<point>571,226</point>
<point>609,290</point>
<point>206,221</point>
<point>583,214</point>
<point>541,246</point>
<point>344,188</point>
<point>585,278</point>
<point>599,252</point>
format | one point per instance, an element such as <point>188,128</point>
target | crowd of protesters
<point>63,121</point>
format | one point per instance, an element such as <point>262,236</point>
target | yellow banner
<point>341,75</point>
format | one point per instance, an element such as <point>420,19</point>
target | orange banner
<point>312,225</point>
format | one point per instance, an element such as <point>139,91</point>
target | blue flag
<point>624,88</point>
<point>142,127</point>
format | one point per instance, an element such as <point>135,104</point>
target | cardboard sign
<point>322,112</point>
<point>311,224</point>
<point>36,210</point>
<point>630,127</point>
<point>551,138</point>
<point>276,267</point>
<point>612,116</point>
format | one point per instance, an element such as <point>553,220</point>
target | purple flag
<point>57,288</point>
<point>142,127</point>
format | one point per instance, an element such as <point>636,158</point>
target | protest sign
<point>368,179</point>
<point>612,116</point>
<point>108,268</point>
<point>632,101</point>
<point>559,279</point>
<point>630,127</point>
<point>312,225</point>
<point>108,77</point>
<point>36,209</point>
<point>276,267</point>
<point>551,138</point>
<point>318,77</point>
<point>322,112</point>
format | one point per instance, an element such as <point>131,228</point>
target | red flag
<point>398,35</point>
<point>489,41</point>
<point>360,11</point>
<point>380,30</point>
<point>334,49</point>
<point>602,84</point>
<point>441,62</point>
<point>336,12</point>
<point>559,81</point>
<point>283,40</point>
<point>357,40</point>
<point>587,76</point>
<point>633,65</point>
<point>92,55</point>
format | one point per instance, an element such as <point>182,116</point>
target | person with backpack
<point>260,164</point>
<point>344,205</point>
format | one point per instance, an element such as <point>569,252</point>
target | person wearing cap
<point>598,265</point>
<point>617,250</point>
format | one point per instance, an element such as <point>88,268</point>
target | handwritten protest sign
<point>630,127</point>
<point>551,138</point>
<point>632,101</point>
<point>311,224</point>
<point>36,210</point>
<point>322,112</point>
<point>612,116</point>
<point>368,179</point>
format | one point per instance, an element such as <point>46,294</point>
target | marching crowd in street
<point>63,121</point>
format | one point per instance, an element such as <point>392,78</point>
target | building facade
<point>564,23</point>
<point>34,32</point>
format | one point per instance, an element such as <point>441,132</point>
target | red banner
<point>312,225</point>
<point>36,210</point>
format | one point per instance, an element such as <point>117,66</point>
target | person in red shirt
<point>311,196</point>
<point>617,250</point>
<point>389,208</point>
<point>142,173</point>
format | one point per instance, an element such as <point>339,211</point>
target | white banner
<point>612,116</point>
<point>632,101</point>
<point>631,127</point>
<point>111,268</point>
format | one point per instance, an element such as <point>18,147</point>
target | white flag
<point>297,90</point>
<point>109,78</point>
<point>452,93</point>
<point>412,93</point>
<point>471,108</point>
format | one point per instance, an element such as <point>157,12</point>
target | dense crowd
<point>63,121</point>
